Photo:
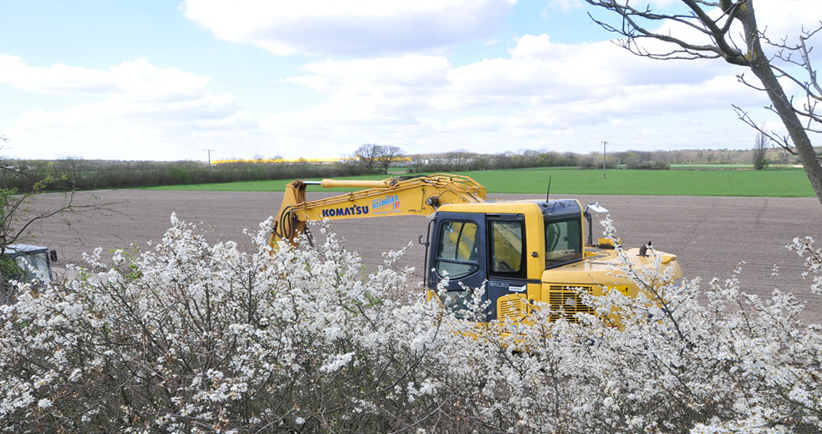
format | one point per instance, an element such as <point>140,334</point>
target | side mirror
<point>596,207</point>
<point>53,255</point>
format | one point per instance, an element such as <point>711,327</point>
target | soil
<point>711,236</point>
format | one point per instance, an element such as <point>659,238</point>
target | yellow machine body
<point>523,253</point>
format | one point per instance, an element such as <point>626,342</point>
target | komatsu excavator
<point>520,252</point>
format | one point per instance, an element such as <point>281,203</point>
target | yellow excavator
<point>520,252</point>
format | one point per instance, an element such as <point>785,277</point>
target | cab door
<point>507,272</point>
<point>457,254</point>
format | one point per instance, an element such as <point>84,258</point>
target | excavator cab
<point>489,246</point>
<point>503,248</point>
<point>26,263</point>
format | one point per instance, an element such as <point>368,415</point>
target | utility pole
<point>604,160</point>
<point>209,155</point>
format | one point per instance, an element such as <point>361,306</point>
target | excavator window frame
<point>463,259</point>
<point>507,247</point>
<point>572,250</point>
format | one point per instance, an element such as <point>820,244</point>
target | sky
<point>198,79</point>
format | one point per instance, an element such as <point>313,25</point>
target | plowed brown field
<point>710,235</point>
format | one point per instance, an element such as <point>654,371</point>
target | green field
<point>765,183</point>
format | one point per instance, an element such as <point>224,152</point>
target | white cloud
<point>397,74</point>
<point>541,95</point>
<point>58,79</point>
<point>141,110</point>
<point>362,28</point>
<point>136,81</point>
<point>787,17</point>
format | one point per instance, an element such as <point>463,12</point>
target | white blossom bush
<point>199,338</point>
<point>192,337</point>
<point>813,261</point>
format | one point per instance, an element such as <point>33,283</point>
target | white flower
<point>337,362</point>
<point>118,257</point>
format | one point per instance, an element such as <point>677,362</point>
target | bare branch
<point>782,142</point>
<point>633,30</point>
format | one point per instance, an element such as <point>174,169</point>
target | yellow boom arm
<point>420,195</point>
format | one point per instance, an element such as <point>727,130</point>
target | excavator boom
<point>399,196</point>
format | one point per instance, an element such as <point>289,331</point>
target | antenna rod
<point>548,194</point>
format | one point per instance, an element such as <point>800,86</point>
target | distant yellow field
<point>298,160</point>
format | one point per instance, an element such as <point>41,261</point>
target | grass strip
<point>751,183</point>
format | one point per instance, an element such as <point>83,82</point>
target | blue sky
<point>165,80</point>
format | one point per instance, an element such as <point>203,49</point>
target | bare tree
<point>714,22</point>
<point>367,154</point>
<point>759,150</point>
<point>387,155</point>
<point>458,157</point>
<point>417,162</point>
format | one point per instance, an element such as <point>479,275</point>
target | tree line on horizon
<point>73,173</point>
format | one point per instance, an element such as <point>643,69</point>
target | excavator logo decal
<point>391,203</point>
<point>347,211</point>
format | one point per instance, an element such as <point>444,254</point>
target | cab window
<point>563,241</point>
<point>507,248</point>
<point>457,253</point>
<point>34,267</point>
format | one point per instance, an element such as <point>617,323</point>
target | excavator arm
<point>391,197</point>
